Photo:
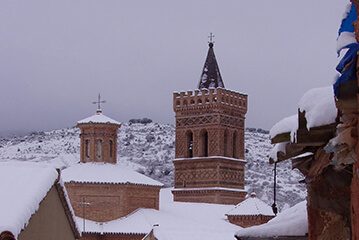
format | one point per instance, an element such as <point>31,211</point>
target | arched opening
<point>99,150</point>
<point>189,147</point>
<point>111,149</point>
<point>225,145</point>
<point>235,144</point>
<point>204,143</point>
<point>178,103</point>
<point>199,101</point>
<point>192,102</point>
<point>87,148</point>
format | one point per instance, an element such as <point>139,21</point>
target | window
<point>87,148</point>
<point>99,149</point>
<point>111,148</point>
<point>189,136</point>
<point>204,143</point>
<point>235,145</point>
<point>225,145</point>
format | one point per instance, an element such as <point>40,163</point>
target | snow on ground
<point>174,221</point>
<point>23,187</point>
<point>105,173</point>
<point>291,222</point>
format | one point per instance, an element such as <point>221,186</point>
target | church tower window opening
<point>87,148</point>
<point>204,143</point>
<point>99,149</point>
<point>189,144</point>
<point>111,149</point>
<point>235,147</point>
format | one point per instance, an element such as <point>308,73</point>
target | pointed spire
<point>210,77</point>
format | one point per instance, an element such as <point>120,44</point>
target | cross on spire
<point>211,42</point>
<point>98,102</point>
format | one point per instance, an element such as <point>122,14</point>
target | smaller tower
<point>98,138</point>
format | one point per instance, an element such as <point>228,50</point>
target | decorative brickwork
<point>209,140</point>
<point>111,236</point>
<point>106,202</point>
<point>248,221</point>
<point>98,142</point>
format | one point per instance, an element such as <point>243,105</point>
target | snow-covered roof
<point>105,173</point>
<point>98,118</point>
<point>23,186</point>
<point>174,221</point>
<point>252,206</point>
<point>288,124</point>
<point>319,106</point>
<point>291,222</point>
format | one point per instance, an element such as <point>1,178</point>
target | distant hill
<point>149,149</point>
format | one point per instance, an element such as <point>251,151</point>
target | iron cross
<point>211,36</point>
<point>99,102</point>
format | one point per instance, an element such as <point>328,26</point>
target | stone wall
<point>106,202</point>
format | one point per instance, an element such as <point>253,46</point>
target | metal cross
<point>99,102</point>
<point>211,36</point>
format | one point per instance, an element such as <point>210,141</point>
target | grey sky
<point>55,56</point>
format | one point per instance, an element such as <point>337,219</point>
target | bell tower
<point>209,160</point>
<point>98,138</point>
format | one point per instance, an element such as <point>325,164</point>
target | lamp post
<point>83,203</point>
<point>274,205</point>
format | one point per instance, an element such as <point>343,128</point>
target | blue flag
<point>346,35</point>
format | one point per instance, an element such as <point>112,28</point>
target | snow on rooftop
<point>288,124</point>
<point>279,147</point>
<point>291,222</point>
<point>105,173</point>
<point>98,118</point>
<point>319,106</point>
<point>23,187</point>
<point>252,206</point>
<point>174,221</point>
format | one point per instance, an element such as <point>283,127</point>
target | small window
<point>87,148</point>
<point>111,148</point>
<point>99,149</point>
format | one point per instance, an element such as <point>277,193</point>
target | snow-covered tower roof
<point>211,76</point>
<point>252,206</point>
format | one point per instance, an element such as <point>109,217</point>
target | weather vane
<point>98,102</point>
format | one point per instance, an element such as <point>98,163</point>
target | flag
<point>346,35</point>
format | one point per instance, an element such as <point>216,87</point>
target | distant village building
<point>250,212</point>
<point>209,164</point>
<point>33,204</point>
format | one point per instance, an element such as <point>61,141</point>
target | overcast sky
<point>56,56</point>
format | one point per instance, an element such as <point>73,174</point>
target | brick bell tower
<point>209,163</point>
<point>98,138</point>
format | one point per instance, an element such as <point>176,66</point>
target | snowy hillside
<point>149,148</point>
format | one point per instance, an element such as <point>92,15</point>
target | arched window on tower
<point>225,145</point>
<point>204,143</point>
<point>87,148</point>
<point>189,147</point>
<point>111,149</point>
<point>99,150</point>
<point>235,144</point>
